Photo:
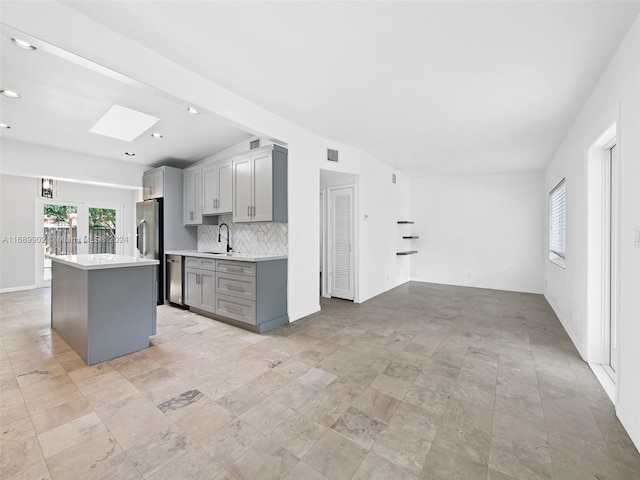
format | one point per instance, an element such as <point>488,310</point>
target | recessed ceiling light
<point>156,135</point>
<point>22,44</point>
<point>10,93</point>
<point>5,126</point>
<point>193,110</point>
<point>130,154</point>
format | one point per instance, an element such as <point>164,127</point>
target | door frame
<point>82,232</point>
<point>326,244</point>
<point>598,260</point>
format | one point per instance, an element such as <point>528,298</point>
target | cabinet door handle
<point>248,211</point>
<point>234,287</point>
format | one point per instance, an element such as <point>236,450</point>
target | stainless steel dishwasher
<point>175,275</point>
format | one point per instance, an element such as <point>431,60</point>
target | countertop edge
<point>236,257</point>
<point>104,266</point>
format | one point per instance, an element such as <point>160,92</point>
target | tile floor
<point>423,382</point>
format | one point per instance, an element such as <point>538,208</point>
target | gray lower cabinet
<point>252,295</point>
<point>200,284</point>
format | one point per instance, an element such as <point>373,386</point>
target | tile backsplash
<point>267,238</point>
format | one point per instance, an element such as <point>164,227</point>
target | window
<point>557,223</point>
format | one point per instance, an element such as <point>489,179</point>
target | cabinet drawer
<point>242,268</point>
<point>236,308</point>
<point>203,263</point>
<point>241,286</point>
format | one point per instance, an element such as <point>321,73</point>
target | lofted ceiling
<point>63,96</point>
<point>429,87</point>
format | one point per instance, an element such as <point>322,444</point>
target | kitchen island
<point>103,305</point>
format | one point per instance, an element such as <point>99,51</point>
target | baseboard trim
<point>630,425</point>
<point>574,338</point>
<point>605,380</point>
<point>18,289</point>
<point>481,285</point>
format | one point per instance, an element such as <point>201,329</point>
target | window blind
<point>557,220</point>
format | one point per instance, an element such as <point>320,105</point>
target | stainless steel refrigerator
<point>149,237</point>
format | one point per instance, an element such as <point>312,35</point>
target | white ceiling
<point>429,87</point>
<point>63,96</point>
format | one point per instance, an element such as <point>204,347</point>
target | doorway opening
<point>75,228</point>
<point>603,201</point>
<point>338,235</point>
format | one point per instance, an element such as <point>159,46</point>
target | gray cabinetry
<point>260,185</point>
<point>252,295</point>
<point>217,196</point>
<point>199,284</point>
<point>193,196</point>
<point>153,184</point>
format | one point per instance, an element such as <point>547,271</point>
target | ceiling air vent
<point>332,155</point>
<point>254,144</point>
<point>393,178</point>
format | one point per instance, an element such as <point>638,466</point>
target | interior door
<point>341,242</point>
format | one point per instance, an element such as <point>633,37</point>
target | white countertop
<point>99,261</point>
<point>237,256</point>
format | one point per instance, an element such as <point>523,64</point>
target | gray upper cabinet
<point>217,191</point>
<point>260,185</point>
<point>193,196</point>
<point>153,184</point>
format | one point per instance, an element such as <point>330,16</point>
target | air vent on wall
<point>254,144</point>
<point>393,178</point>
<point>332,155</point>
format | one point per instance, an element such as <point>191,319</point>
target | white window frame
<point>558,223</point>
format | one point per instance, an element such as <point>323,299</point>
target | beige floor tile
<point>377,468</point>
<point>297,434</point>
<point>403,449</point>
<point>485,383</point>
<point>61,414</point>
<point>71,433</point>
<point>302,471</point>
<point>193,464</point>
<point>267,415</point>
<point>335,457</point>
<point>84,459</point>
<point>240,399</point>
<point>19,447</point>
<point>231,442</point>
<point>445,464</point>
<point>266,461</point>
<point>201,418</point>
<point>158,450</point>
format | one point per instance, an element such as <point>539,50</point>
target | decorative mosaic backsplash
<point>268,238</point>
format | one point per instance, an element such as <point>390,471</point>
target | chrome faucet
<point>228,235</point>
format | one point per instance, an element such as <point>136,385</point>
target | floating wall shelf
<point>407,237</point>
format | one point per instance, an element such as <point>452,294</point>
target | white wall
<point>17,219</point>
<point>616,98</point>
<point>19,201</point>
<point>307,152</point>
<point>383,203</point>
<point>482,231</point>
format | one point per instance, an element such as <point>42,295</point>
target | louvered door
<point>341,239</point>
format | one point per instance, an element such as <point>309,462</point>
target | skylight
<point>124,123</point>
